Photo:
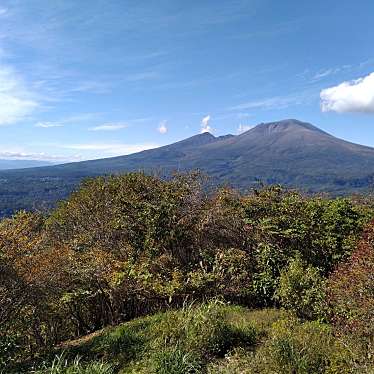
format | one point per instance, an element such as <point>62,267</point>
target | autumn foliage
<point>351,292</point>
<point>126,246</point>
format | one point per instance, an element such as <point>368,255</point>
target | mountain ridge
<point>289,152</point>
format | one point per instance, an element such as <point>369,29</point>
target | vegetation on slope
<point>129,246</point>
<point>212,338</point>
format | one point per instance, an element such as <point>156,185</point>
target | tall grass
<point>61,365</point>
<point>213,338</point>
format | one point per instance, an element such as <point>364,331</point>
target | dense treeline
<point>126,246</point>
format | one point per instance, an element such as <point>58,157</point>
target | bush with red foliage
<point>351,292</point>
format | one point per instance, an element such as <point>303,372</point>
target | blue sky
<point>91,79</point>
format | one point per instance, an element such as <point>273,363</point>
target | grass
<point>210,338</point>
<point>61,365</point>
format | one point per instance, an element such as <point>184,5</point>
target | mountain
<point>289,152</point>
<point>21,164</point>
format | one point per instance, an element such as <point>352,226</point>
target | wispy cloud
<point>275,102</point>
<point>243,115</point>
<point>110,149</point>
<point>243,128</point>
<point>3,11</point>
<point>325,73</point>
<point>41,156</point>
<point>95,87</point>
<point>352,96</point>
<point>48,125</point>
<point>162,128</point>
<point>148,75</point>
<point>16,100</point>
<point>313,76</point>
<point>69,120</point>
<point>110,127</point>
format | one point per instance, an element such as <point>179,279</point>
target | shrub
<point>302,290</point>
<point>227,274</point>
<point>202,330</point>
<point>351,293</point>
<point>283,224</point>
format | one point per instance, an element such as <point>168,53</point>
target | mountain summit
<point>287,125</point>
<point>289,152</point>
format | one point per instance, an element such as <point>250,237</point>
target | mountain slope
<point>289,152</point>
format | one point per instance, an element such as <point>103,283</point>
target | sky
<point>91,79</point>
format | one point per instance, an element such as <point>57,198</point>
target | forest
<point>136,274</point>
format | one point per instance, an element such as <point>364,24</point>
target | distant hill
<point>289,152</point>
<point>22,164</point>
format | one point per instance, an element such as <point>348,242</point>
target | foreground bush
<point>302,290</point>
<point>351,294</point>
<point>286,224</point>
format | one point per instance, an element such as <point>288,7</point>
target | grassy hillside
<point>212,338</point>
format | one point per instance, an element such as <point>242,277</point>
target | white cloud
<point>48,125</point>
<point>109,127</point>
<point>162,128</point>
<point>352,96</point>
<point>244,128</point>
<point>205,124</point>
<point>16,101</point>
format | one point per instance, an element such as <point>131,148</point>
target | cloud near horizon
<point>29,156</point>
<point>110,149</point>
<point>162,128</point>
<point>355,96</point>
<point>244,128</point>
<point>205,124</point>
